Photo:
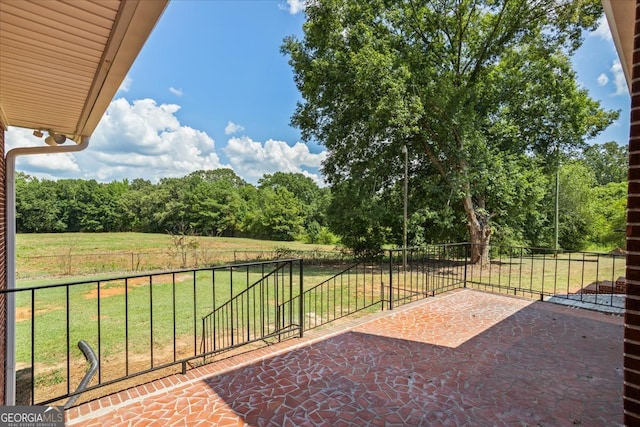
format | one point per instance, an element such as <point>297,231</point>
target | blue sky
<point>211,89</point>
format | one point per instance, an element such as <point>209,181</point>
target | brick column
<point>632,304</point>
<point>3,267</point>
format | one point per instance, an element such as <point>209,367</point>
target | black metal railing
<point>541,273</point>
<point>265,309</point>
<point>429,270</point>
<point>144,323</point>
<point>355,288</point>
<point>137,325</point>
<point>385,282</point>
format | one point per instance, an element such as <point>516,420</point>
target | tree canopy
<point>609,161</point>
<point>481,92</point>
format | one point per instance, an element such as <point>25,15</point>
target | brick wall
<point>3,267</point>
<point>632,314</point>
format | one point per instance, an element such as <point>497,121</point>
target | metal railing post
<point>466,261</point>
<point>231,304</point>
<point>380,265</point>
<point>390,280</point>
<point>276,295</point>
<point>301,296</point>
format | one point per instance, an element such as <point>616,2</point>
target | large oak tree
<point>474,88</point>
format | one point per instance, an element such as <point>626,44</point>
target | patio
<point>463,358</point>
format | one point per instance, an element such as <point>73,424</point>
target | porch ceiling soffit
<point>62,62</point>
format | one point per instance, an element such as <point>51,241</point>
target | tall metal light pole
<point>406,196</point>
<point>556,230</point>
<point>557,211</point>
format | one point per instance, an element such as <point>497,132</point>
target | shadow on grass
<point>23,387</point>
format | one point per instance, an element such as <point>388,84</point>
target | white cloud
<point>603,79</point>
<point>232,128</point>
<point>137,140</point>
<point>252,159</point>
<point>618,79</point>
<point>294,6</point>
<point>176,92</point>
<point>125,85</point>
<point>603,30</point>
<point>144,139</point>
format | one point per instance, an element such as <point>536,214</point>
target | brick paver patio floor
<point>465,358</point>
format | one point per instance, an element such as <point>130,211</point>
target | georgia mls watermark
<point>31,416</point>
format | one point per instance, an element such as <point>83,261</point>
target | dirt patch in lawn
<point>24,313</point>
<point>110,289</point>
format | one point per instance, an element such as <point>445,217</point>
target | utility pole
<point>557,216</point>
<point>406,197</point>
<point>557,207</point>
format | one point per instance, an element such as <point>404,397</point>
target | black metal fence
<point>355,288</point>
<point>395,278</point>
<point>140,324</point>
<point>267,308</point>
<point>425,271</point>
<point>557,275</point>
<point>143,323</point>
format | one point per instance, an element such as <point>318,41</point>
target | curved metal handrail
<point>91,357</point>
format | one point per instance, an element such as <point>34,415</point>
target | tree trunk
<point>479,232</point>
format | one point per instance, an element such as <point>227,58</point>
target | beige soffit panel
<point>621,16</point>
<point>62,61</point>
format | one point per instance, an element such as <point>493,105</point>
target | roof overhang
<point>621,16</point>
<point>61,63</point>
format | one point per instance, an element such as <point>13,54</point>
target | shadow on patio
<point>462,358</point>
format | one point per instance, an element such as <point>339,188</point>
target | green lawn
<point>29,245</point>
<point>41,257</point>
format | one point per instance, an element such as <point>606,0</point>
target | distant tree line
<point>291,206</point>
<point>283,206</point>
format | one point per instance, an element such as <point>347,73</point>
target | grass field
<point>29,245</point>
<point>41,257</point>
